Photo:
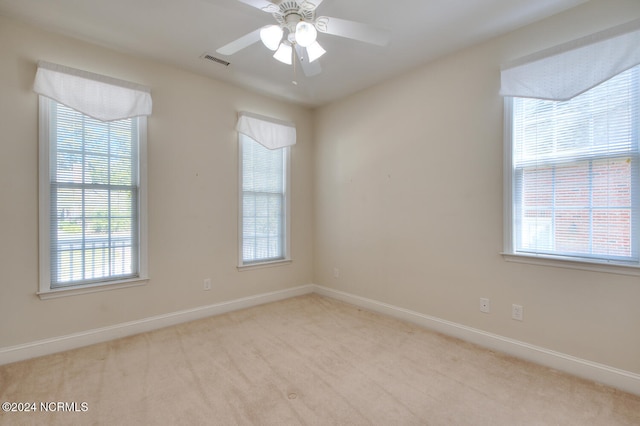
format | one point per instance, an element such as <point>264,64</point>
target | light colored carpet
<point>307,360</point>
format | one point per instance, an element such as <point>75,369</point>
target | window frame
<point>45,291</point>
<point>509,219</point>
<point>286,258</point>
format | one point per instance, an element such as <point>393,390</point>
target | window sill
<point>261,265</point>
<point>559,262</point>
<point>91,288</point>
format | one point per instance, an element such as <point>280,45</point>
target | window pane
<point>263,202</point>
<point>612,183</point>
<point>94,192</point>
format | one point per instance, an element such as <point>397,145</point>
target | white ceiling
<point>179,32</point>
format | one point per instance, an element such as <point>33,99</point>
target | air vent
<point>214,59</point>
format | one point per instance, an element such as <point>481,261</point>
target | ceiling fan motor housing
<point>290,13</point>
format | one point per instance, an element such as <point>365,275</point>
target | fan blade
<point>309,4</point>
<point>239,44</point>
<point>264,5</point>
<point>308,68</point>
<point>354,30</point>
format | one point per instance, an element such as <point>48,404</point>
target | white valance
<point>563,72</point>
<point>269,132</point>
<point>98,96</point>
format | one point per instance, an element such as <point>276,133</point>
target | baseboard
<point>620,379</point>
<point>89,337</point>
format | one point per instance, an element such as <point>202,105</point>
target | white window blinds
<point>576,173</point>
<point>100,97</point>
<point>264,201</point>
<point>94,198</point>
<point>564,71</point>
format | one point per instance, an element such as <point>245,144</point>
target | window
<point>264,189</point>
<point>264,202</point>
<point>572,156</point>
<point>576,185</point>
<point>92,195</point>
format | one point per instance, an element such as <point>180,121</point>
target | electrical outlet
<point>336,273</point>
<point>516,312</point>
<point>207,284</point>
<point>484,305</point>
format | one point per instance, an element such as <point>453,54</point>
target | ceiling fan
<point>294,35</point>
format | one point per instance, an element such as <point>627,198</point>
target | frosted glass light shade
<point>314,51</point>
<point>306,34</point>
<point>271,36</point>
<point>284,54</point>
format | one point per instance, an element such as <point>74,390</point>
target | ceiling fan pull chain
<point>293,60</point>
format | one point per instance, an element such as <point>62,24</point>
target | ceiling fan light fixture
<point>314,51</point>
<point>306,34</point>
<point>284,54</point>
<point>271,35</point>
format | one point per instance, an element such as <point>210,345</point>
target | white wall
<point>408,202</point>
<point>192,172</point>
